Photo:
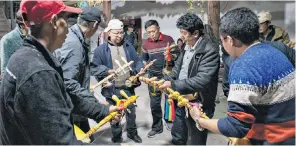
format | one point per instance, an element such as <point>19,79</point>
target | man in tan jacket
<point>271,32</point>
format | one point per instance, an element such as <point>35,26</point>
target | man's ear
<point>53,22</point>
<point>196,34</point>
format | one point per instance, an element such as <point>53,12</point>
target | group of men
<point>45,87</point>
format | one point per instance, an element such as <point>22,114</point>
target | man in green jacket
<point>271,32</point>
<point>12,41</point>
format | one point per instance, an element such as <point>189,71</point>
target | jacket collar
<point>200,47</point>
<point>78,32</point>
<point>32,42</point>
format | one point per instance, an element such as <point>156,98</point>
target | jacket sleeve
<point>45,111</point>
<point>70,57</point>
<point>289,52</point>
<point>207,69</point>
<point>238,121</point>
<point>5,54</point>
<point>286,38</point>
<point>98,70</point>
<point>227,61</point>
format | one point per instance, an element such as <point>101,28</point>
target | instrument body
<point>113,75</point>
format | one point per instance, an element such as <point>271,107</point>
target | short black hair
<point>241,24</point>
<point>179,40</point>
<point>150,23</point>
<point>191,23</point>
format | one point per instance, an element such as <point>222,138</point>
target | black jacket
<point>228,60</point>
<point>35,107</point>
<point>202,73</point>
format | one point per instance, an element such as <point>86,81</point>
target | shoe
<point>136,138</point>
<point>169,125</point>
<point>152,133</point>
<point>116,140</point>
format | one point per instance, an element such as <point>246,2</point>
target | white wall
<point>285,11</point>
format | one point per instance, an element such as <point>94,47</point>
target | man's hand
<point>113,108</point>
<point>142,72</point>
<point>111,71</point>
<point>166,51</point>
<point>165,85</point>
<point>195,113</point>
<point>118,117</point>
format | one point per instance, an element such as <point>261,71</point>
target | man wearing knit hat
<point>35,106</point>
<point>103,64</point>
<point>74,58</point>
<point>270,32</point>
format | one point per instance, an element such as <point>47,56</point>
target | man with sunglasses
<point>103,64</point>
<point>74,58</point>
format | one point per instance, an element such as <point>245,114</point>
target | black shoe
<point>117,140</point>
<point>136,138</point>
<point>152,133</point>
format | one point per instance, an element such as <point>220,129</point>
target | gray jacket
<point>202,73</point>
<point>74,58</point>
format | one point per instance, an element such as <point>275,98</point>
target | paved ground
<point>144,121</point>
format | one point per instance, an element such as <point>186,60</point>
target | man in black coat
<point>35,107</point>
<point>196,70</point>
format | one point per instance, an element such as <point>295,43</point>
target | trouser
<point>155,104</point>
<point>131,126</point>
<point>184,130</point>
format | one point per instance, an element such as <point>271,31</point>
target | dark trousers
<point>184,130</point>
<point>155,104</point>
<point>131,126</point>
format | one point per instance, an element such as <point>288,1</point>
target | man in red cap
<point>35,106</point>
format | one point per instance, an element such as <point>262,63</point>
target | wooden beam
<point>214,17</point>
<point>107,13</point>
<point>107,10</point>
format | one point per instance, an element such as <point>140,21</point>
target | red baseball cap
<point>37,11</point>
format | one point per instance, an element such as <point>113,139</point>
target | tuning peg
<point>119,65</point>
<point>122,93</point>
<point>125,61</point>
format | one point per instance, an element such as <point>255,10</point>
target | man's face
<point>116,35</point>
<point>92,29</point>
<point>61,29</point>
<point>153,32</point>
<point>263,27</point>
<point>186,36</point>
<point>227,43</point>
<point>130,29</point>
<point>180,43</point>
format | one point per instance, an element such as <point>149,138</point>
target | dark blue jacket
<point>102,63</point>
